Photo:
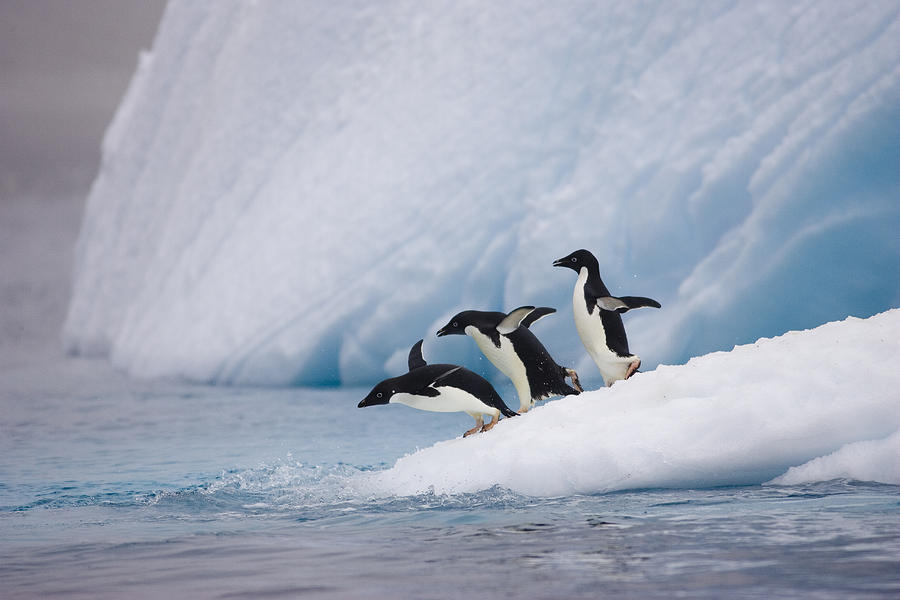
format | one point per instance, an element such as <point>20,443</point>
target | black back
<point>425,380</point>
<point>545,377</point>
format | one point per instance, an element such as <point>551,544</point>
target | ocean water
<point>131,489</point>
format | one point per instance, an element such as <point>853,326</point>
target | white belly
<point>505,359</point>
<point>451,399</point>
<point>590,329</point>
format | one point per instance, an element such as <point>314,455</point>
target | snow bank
<point>741,417</point>
<point>871,460</point>
<point>294,192</point>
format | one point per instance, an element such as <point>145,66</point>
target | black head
<point>457,325</point>
<point>576,260</point>
<point>380,394</point>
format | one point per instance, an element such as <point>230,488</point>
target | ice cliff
<point>293,193</point>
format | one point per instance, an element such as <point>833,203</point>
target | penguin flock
<point>508,342</point>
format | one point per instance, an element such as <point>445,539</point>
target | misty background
<point>64,67</point>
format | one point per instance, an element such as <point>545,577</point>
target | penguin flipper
<point>429,389</point>
<point>523,316</point>
<point>640,302</point>
<point>511,321</point>
<point>626,303</point>
<point>612,304</point>
<point>536,315</point>
<point>416,360</point>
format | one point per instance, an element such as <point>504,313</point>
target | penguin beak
<point>442,331</point>
<point>559,262</point>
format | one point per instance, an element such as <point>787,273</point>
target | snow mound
<point>294,192</point>
<point>870,460</point>
<point>741,417</point>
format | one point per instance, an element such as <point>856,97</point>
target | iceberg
<point>803,407</point>
<point>293,193</point>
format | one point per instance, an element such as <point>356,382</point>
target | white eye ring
<point>378,395</point>
<point>574,259</point>
<point>455,324</point>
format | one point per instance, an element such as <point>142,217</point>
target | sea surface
<point>156,490</point>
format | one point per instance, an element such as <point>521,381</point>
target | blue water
<point>153,490</point>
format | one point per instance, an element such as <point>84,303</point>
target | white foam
<point>741,417</point>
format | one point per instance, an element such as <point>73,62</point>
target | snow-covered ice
<point>806,406</point>
<point>293,193</point>
<point>869,460</point>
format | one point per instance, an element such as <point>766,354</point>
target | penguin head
<point>380,394</point>
<point>457,325</point>
<point>576,260</point>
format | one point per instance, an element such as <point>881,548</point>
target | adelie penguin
<point>441,388</point>
<point>508,343</point>
<point>597,318</point>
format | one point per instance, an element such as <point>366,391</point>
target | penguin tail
<point>572,391</point>
<point>559,387</point>
<point>507,411</point>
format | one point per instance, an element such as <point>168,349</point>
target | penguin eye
<point>378,395</point>
<point>455,324</point>
<point>574,259</point>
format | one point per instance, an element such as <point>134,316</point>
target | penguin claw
<point>632,368</point>
<point>488,426</point>
<point>475,429</point>
<point>575,382</point>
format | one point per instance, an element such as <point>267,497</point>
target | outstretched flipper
<point>416,360</point>
<point>625,303</point>
<point>523,316</point>
<point>536,315</point>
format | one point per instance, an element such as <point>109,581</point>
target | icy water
<point>153,490</point>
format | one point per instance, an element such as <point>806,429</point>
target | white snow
<point>826,399</point>
<point>869,460</point>
<point>293,193</point>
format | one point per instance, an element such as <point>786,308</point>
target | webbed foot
<point>575,382</point>
<point>632,368</point>
<point>479,423</point>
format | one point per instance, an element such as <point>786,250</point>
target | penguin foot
<point>489,426</point>
<point>479,423</point>
<point>632,368</point>
<point>475,429</point>
<point>575,382</point>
